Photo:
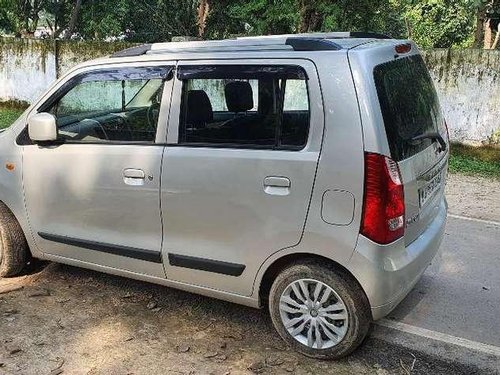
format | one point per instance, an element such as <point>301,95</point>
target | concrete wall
<point>28,66</point>
<point>468,81</point>
<point>468,84</point>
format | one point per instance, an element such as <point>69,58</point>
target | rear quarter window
<point>409,104</point>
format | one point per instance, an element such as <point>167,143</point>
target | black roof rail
<point>363,34</point>
<point>133,51</point>
<point>312,44</point>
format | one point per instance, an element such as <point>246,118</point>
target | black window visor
<point>241,72</point>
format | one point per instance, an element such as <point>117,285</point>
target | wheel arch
<point>279,264</point>
<point>22,224</point>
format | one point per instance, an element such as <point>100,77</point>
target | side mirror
<point>42,127</point>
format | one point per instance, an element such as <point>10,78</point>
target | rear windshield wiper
<point>434,136</point>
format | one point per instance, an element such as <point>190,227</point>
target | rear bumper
<point>388,273</point>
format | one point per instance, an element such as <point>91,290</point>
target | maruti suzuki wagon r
<point>304,173</point>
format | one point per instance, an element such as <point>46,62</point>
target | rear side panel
<point>388,272</point>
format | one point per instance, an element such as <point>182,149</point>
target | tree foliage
<point>441,23</point>
<point>431,23</point>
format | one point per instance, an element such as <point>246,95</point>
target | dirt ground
<point>475,197</point>
<point>60,319</point>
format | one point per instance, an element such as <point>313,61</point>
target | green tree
<point>441,23</point>
<point>160,20</point>
<point>292,16</point>
<point>431,23</point>
<point>21,16</point>
<point>7,19</point>
<point>487,11</point>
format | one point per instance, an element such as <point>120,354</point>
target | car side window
<point>244,106</point>
<point>295,113</point>
<point>110,106</point>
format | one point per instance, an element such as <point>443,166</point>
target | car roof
<point>288,45</point>
<point>288,42</point>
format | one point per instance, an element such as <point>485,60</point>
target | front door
<point>238,171</point>
<point>93,196</point>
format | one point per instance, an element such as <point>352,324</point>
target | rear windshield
<point>409,104</point>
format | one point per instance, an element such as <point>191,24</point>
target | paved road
<point>459,294</point>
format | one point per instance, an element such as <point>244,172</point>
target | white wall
<point>468,84</point>
<point>27,68</point>
<point>468,81</point>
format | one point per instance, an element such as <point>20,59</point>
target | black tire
<point>13,246</point>
<point>357,306</point>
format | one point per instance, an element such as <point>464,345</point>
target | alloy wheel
<point>313,314</point>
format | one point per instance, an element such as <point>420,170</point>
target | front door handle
<point>277,185</point>
<point>133,176</point>
<point>276,181</point>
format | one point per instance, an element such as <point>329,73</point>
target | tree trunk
<point>497,38</point>
<point>480,22</point>
<point>203,9</point>
<point>487,34</point>
<point>408,28</point>
<point>310,18</point>
<point>74,19</point>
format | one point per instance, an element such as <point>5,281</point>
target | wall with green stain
<point>70,53</point>
<point>27,68</point>
<point>467,81</point>
<point>468,84</point>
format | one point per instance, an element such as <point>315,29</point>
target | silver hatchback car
<point>304,173</point>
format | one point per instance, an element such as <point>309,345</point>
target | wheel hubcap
<point>313,314</point>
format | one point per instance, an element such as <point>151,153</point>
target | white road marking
<point>489,222</point>
<point>443,337</point>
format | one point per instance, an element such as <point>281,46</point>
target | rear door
<point>412,119</point>
<point>236,184</point>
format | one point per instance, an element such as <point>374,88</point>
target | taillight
<point>403,48</point>
<point>383,206</point>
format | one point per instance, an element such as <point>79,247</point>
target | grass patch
<point>8,116</point>
<point>479,161</point>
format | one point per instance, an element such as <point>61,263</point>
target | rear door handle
<point>132,176</point>
<point>277,185</point>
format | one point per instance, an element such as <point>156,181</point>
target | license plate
<point>426,192</point>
